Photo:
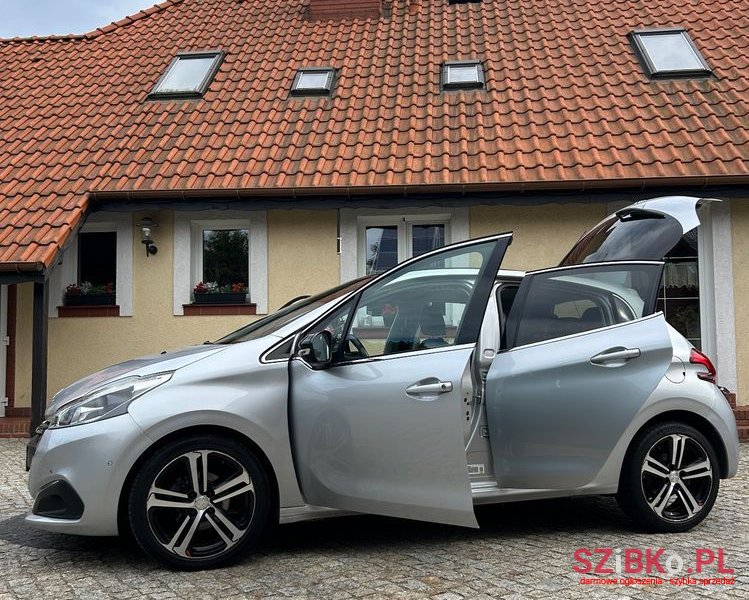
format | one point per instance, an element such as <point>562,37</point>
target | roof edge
<point>99,31</point>
<point>581,185</point>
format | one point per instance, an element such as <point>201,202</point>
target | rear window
<point>634,235</point>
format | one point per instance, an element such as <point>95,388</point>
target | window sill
<point>201,310</point>
<point>88,311</point>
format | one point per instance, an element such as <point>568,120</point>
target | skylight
<point>313,81</point>
<point>669,53</point>
<point>462,75</point>
<point>189,75</point>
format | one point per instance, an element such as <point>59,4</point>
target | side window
<point>424,305</point>
<point>569,301</point>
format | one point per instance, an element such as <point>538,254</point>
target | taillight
<point>697,358</point>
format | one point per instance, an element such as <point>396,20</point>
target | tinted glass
<point>635,235</point>
<point>382,248</point>
<point>570,301</point>
<point>671,52</point>
<point>186,75</point>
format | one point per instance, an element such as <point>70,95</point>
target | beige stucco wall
<point>302,259</point>
<point>79,346</point>
<point>302,254</point>
<point>541,234</point>
<point>740,240</point>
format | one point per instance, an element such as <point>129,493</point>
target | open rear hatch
<point>646,230</point>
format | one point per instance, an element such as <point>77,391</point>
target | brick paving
<point>522,551</point>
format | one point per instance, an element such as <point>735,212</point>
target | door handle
<point>429,387</point>
<point>615,355</point>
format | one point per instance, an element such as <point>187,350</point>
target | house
<point>290,145</point>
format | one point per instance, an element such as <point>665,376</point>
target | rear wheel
<point>670,478</point>
<point>197,503</point>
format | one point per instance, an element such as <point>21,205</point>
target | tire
<point>670,478</point>
<point>189,521</point>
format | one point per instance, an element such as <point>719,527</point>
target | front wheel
<point>197,503</point>
<point>670,478</point>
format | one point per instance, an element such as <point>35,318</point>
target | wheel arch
<point>122,524</point>
<point>697,421</point>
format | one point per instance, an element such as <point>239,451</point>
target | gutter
<point>522,187</point>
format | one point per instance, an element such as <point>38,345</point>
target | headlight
<point>108,401</point>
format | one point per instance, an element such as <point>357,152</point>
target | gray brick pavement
<point>522,551</point>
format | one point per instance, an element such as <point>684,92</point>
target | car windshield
<point>290,312</point>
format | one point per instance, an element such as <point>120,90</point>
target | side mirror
<point>317,350</point>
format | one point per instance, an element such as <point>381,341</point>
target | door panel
<point>381,430</point>
<point>555,416</point>
<point>584,357</point>
<point>362,442</point>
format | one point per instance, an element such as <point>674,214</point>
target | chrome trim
<point>396,355</point>
<point>605,263</point>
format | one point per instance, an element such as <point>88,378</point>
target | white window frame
<point>66,269</point>
<point>355,221</point>
<point>188,252</point>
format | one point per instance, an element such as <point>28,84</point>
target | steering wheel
<point>356,342</point>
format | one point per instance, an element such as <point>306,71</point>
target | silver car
<point>419,393</point>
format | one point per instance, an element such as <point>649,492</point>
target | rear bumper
<point>77,473</point>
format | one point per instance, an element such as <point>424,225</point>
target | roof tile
<point>566,100</point>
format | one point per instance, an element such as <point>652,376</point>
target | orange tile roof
<point>566,104</point>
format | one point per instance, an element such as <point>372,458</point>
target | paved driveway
<point>522,551</point>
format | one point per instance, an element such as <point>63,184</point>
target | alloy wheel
<point>201,504</point>
<point>676,477</point>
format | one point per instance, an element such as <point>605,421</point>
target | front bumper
<point>89,462</point>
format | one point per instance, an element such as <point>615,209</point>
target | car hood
<point>146,365</point>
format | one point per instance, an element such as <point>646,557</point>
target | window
<point>313,81</point>
<point>462,75</point>
<point>101,256</point>
<point>387,245</point>
<point>574,300</point>
<point>189,75</point>
<point>221,262</point>
<point>679,294</point>
<point>225,257</point>
<point>418,307</point>
<point>373,240</point>
<point>669,53</point>
<point>97,258</point>
<point>226,251</point>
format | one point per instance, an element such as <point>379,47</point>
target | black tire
<point>670,478</point>
<point>197,522</point>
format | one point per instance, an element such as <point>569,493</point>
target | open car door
<point>585,353</point>
<point>380,428</point>
<point>584,349</point>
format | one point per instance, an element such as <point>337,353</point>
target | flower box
<point>89,300</point>
<point>221,298</point>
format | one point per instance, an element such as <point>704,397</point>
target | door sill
<point>307,512</point>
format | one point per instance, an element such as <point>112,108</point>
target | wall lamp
<point>146,231</point>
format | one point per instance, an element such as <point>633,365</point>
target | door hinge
<point>6,340</point>
<point>484,432</point>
